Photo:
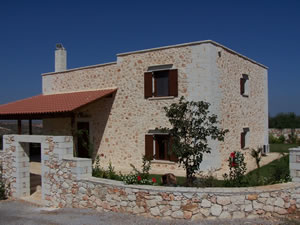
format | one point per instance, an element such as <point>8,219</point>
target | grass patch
<point>281,148</point>
<point>276,171</point>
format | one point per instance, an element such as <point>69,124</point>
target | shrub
<point>140,177</point>
<point>273,139</point>
<point>257,154</point>
<point>102,173</point>
<point>237,170</point>
<point>292,138</point>
<point>281,139</point>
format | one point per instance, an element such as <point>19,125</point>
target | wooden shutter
<point>148,84</point>
<point>173,157</point>
<point>149,146</point>
<point>243,140</point>
<point>173,83</point>
<point>242,85</point>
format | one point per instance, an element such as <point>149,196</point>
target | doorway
<point>35,169</point>
<point>84,148</point>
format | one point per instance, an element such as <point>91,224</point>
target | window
<point>245,137</point>
<point>244,84</point>
<point>158,147</point>
<point>161,81</point>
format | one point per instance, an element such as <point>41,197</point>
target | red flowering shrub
<point>153,180</point>
<point>139,178</point>
<point>237,169</point>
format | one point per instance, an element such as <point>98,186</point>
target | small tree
<point>192,125</point>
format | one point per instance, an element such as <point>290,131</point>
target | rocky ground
<point>15,212</point>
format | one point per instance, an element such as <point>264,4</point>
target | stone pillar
<point>295,164</point>
<point>21,171</point>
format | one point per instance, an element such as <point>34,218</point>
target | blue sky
<point>93,32</point>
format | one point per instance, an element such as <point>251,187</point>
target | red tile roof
<point>55,103</point>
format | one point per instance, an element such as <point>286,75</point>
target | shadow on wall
<point>97,113</point>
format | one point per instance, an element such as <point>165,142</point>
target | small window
<point>158,147</point>
<point>244,85</point>
<point>245,137</point>
<point>161,83</point>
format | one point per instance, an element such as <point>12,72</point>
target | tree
<point>285,120</point>
<point>192,126</point>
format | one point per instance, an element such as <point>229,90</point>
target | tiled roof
<point>55,103</point>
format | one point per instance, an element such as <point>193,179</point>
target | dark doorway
<point>35,169</point>
<point>83,140</point>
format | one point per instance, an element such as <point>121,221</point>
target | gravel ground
<point>16,212</point>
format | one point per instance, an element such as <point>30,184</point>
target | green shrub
<point>102,173</point>
<point>237,170</point>
<point>140,177</point>
<point>273,139</point>
<point>281,139</point>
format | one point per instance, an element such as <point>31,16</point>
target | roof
<point>51,104</point>
<point>162,48</point>
<point>190,44</point>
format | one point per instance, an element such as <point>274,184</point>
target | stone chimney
<point>60,58</point>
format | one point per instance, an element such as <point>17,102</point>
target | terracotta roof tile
<point>55,103</point>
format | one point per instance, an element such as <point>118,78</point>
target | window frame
<point>150,81</point>
<point>245,138</point>
<point>153,148</point>
<point>244,85</point>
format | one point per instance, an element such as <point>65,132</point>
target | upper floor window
<point>161,81</point>
<point>244,84</point>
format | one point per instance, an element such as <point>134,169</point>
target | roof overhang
<point>50,106</point>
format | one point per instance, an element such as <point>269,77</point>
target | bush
<point>292,139</point>
<point>273,139</point>
<point>281,139</point>
<point>102,173</point>
<point>237,170</point>
<point>140,177</point>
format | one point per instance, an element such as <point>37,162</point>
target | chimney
<point>60,58</point>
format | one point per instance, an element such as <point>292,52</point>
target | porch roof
<point>54,105</point>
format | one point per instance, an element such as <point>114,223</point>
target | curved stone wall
<point>67,182</point>
<point>181,203</point>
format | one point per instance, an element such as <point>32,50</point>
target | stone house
<point>119,104</point>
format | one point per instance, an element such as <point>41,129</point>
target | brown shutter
<point>242,85</point>
<point>243,140</point>
<point>148,84</point>
<point>173,157</point>
<point>173,83</point>
<point>149,146</point>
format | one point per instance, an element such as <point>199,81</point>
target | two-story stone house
<point>121,103</point>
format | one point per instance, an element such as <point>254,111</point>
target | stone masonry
<point>67,182</point>
<point>206,71</point>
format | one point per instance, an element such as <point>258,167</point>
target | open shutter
<point>149,146</point>
<point>148,84</point>
<point>243,140</point>
<point>173,83</point>
<point>242,85</point>
<point>173,157</point>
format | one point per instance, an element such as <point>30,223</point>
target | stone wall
<point>67,182</point>
<point>285,132</point>
<point>206,72</point>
